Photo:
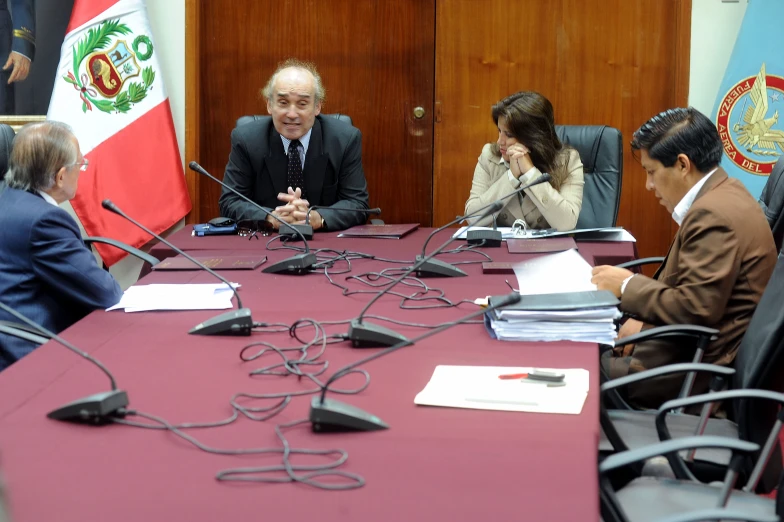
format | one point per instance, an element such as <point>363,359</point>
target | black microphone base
<point>290,235</point>
<point>236,322</point>
<point>436,268</point>
<point>331,416</point>
<point>485,238</point>
<point>93,409</point>
<point>296,265</point>
<point>369,335</point>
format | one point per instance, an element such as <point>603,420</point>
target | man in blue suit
<point>17,47</point>
<point>46,271</point>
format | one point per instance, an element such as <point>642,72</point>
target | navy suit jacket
<point>333,171</point>
<point>46,271</point>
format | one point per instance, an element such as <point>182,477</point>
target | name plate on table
<point>542,245</point>
<point>213,262</point>
<point>380,231</point>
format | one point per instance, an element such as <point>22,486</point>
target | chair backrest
<point>242,120</point>
<point>759,364</point>
<point>772,202</point>
<point>601,151</point>
<point>6,141</point>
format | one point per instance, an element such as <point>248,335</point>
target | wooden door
<point>613,62</point>
<point>376,61</point>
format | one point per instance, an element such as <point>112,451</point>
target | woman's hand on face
<point>519,159</point>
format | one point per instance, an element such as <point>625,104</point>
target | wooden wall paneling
<point>192,104</point>
<point>376,61</point>
<point>599,62</point>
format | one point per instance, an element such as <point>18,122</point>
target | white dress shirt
<point>683,206</point>
<point>49,199</point>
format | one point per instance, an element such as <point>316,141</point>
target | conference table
<point>431,464</point>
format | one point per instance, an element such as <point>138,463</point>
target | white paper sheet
<point>478,387</point>
<point>586,234</point>
<point>554,274</point>
<point>141,298</point>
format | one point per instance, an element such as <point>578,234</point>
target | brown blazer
<point>713,275</point>
<point>543,206</point>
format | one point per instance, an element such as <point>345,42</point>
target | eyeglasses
<point>252,228</point>
<point>82,165</point>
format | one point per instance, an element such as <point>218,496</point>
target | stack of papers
<point>583,234</point>
<point>142,298</point>
<point>480,388</point>
<point>559,304</point>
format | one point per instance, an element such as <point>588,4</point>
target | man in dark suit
<point>296,158</point>
<point>17,47</point>
<point>718,265</point>
<point>46,271</point>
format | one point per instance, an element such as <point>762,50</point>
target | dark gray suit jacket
<point>333,171</point>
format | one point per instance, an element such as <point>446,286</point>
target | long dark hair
<point>530,119</point>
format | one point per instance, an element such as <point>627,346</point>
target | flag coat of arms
<point>751,96</point>
<point>109,89</point>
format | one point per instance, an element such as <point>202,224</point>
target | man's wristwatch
<point>323,224</point>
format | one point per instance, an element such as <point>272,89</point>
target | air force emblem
<point>751,135</point>
<point>104,66</point>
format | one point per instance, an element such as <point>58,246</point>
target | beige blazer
<point>714,275</point>
<point>542,206</point>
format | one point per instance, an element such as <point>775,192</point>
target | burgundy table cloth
<point>432,464</point>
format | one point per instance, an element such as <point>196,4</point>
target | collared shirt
<point>303,150</point>
<point>683,206</point>
<point>49,199</point>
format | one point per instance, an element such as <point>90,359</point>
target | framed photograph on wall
<point>31,34</point>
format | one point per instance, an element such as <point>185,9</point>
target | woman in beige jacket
<point>527,146</point>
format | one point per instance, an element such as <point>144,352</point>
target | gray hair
<point>39,151</point>
<point>293,63</point>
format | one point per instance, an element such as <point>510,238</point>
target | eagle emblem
<point>748,122</point>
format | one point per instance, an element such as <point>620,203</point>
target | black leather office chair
<point>242,120</point>
<point>601,151</point>
<point>684,499</point>
<point>772,202</point>
<point>758,366</point>
<point>7,135</point>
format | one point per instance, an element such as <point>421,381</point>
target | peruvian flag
<point>109,89</point>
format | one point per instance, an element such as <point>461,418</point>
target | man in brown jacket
<point>717,266</point>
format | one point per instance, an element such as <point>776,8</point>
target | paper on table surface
<point>554,274</point>
<point>139,298</point>
<point>478,387</point>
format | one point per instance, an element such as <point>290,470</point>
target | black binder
<point>563,301</point>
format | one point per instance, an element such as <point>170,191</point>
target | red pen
<point>513,376</point>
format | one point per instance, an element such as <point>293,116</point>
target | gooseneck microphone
<point>437,268</point>
<point>307,229</point>
<point>93,409</point>
<point>365,335</point>
<point>332,415</point>
<point>486,238</point>
<point>236,322</point>
<point>295,265</point>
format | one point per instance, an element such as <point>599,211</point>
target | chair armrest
<point>672,330</point>
<point>666,370</point>
<point>643,261</point>
<point>672,447</point>
<point>144,256</point>
<point>720,514</point>
<point>680,469</point>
